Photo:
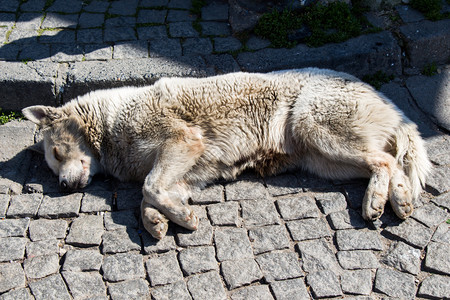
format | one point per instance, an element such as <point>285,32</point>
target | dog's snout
<point>64,184</point>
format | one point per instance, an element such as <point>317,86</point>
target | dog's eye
<point>56,154</point>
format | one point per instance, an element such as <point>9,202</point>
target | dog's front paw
<point>373,207</point>
<point>154,222</point>
<point>401,201</point>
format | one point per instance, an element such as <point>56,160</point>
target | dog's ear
<point>38,147</point>
<point>42,115</point>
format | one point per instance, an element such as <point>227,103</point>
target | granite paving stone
<point>66,52</point>
<point>151,16</point>
<point>96,201</point>
<point>357,259</point>
<point>12,248</point>
<point>60,206</point>
<point>259,212</point>
<point>44,247</point>
<point>232,243</point>
<point>196,46</point>
<point>245,190</point>
<point>25,205</point>
<point>331,202</point>
<point>118,34</point>
<point>357,282</point>
<point>430,215</point>
<point>215,28</point>
<point>28,21</point>
<point>198,259</point>
<point>256,43</point>
<point>154,3</point>
<point>182,29</point>
<point>283,185</point>
<point>89,20</point>
<point>177,290</point>
<point>97,52</point>
<point>41,266</point>
<point>163,269</point>
<point>51,287</point>
<point>11,276</point>
<point>346,219</point>
<point>442,233</point>
<point>166,47</point>
<point>13,227</point>
<point>4,203</point>
<point>324,284</point>
<point>175,15</point>
<point>240,272</point>
<point>298,207</point>
<point>123,266</point>
<point>225,44</point>
<point>404,258</point>
<point>206,286</point>
<point>86,230</point>
<point>129,289</point>
<point>224,213</point>
<point>353,239</point>
<point>437,258</point>
<point>442,200</point>
<point>20,293</point>
<point>256,292</point>
<point>96,6</point>
<point>394,283</point>
<point>434,287</point>
<point>61,6</point>
<point>82,260</point>
<point>181,4</point>
<point>308,229</point>
<point>55,20</point>
<point>124,219</point>
<point>412,232</point>
<point>290,289</point>
<point>32,5</point>
<point>439,180</point>
<point>279,265</point>
<point>316,255</point>
<point>202,236</point>
<point>43,229</point>
<point>211,194</point>
<point>152,245</point>
<point>120,21</point>
<point>83,285</point>
<point>120,240</point>
<point>129,198</point>
<point>123,7</point>
<point>151,32</point>
<point>215,11</point>
<point>268,238</point>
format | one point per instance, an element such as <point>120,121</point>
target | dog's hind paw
<point>154,222</point>
<point>191,221</point>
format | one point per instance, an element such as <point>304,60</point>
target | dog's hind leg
<point>400,195</point>
<point>164,187</point>
<point>154,222</point>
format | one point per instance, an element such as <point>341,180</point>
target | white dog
<point>186,132</point>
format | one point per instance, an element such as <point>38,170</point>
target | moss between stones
<point>377,79</point>
<point>332,23</point>
<point>430,8</point>
<point>9,116</point>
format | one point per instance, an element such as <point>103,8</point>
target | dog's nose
<point>64,184</point>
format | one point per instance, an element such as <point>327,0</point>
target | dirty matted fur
<point>182,133</point>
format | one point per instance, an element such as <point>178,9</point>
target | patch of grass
<point>377,79</point>
<point>430,8</point>
<point>197,7</point>
<point>6,117</point>
<point>448,221</point>
<point>430,69</point>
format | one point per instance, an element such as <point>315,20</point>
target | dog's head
<point>65,148</point>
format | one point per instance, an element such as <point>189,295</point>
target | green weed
<point>377,79</point>
<point>6,117</point>
<point>430,69</point>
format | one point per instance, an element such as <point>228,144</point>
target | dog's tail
<point>411,155</point>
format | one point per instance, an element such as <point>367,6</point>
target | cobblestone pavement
<point>292,236</point>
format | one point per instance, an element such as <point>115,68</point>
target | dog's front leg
<point>165,188</point>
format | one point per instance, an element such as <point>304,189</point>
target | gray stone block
<point>120,240</point>
<point>308,229</point>
<point>51,287</point>
<point>215,28</point>
<point>151,16</point>
<point>60,206</point>
<point>424,42</point>
<point>283,185</point>
<point>129,198</point>
<point>259,212</point>
<point>175,290</point>
<point>41,266</point>
<point>430,215</point>
<point>123,266</point>
<point>130,289</point>
<point>437,149</point>
<point>51,36</point>
<point>226,44</point>
<point>232,243</point>
<point>409,14</point>
<point>442,234</point>
<point>439,180</point>
<point>163,269</point>
<point>96,201</point>
<point>45,247</point>
<point>222,63</point>
<point>202,236</point>
<point>25,205</point>
<point>96,6</point>
<point>240,272</point>
<point>153,3</point>
<point>357,282</point>
<point>215,11</point>
<point>11,276</point>
<point>196,46</point>
<point>206,286</point>
<point>437,258</point>
<point>152,245</point>
<point>268,238</point>
<point>175,15</point>
<point>20,293</point>
<point>255,43</point>
<point>346,219</point>
<point>434,287</point>
<point>43,229</point>
<point>357,259</point>
<point>125,8</point>
<point>359,56</point>
<point>83,285</point>
<point>12,248</point>
<point>165,47</point>
<point>118,34</point>
<point>331,202</point>
<point>224,213</point>
<point>152,32</point>
<point>124,219</point>
<point>85,231</point>
<point>13,227</point>
<point>82,260</point>
<point>358,240</point>
<point>412,232</point>
<point>61,6</point>
<point>324,284</point>
<point>256,292</point>
<point>395,284</point>
<point>34,51</point>
<point>404,258</point>
<point>279,265</point>
<point>88,20</point>
<point>66,53</point>
<point>120,21</point>
<point>182,30</point>
<point>4,203</point>
<point>137,49</point>
<point>317,255</point>
<point>211,194</point>
<point>290,289</point>
<point>298,207</point>
<point>181,4</point>
<point>56,20</point>
<point>198,259</point>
